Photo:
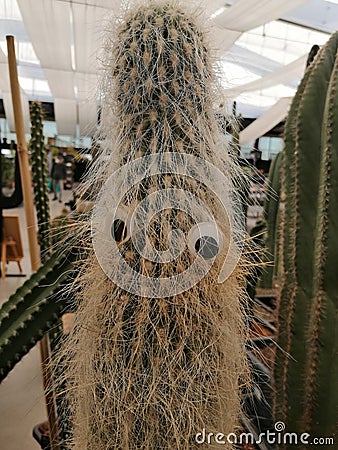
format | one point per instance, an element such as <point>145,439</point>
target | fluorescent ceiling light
<point>218,12</point>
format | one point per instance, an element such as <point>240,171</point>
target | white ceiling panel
<point>113,5</point>
<point>65,116</point>
<point>266,121</point>
<point>250,60</point>
<point>87,117</point>
<point>4,76</point>
<point>316,14</point>
<point>245,15</point>
<point>87,87</point>
<point>48,26</point>
<point>61,83</point>
<point>88,26</point>
<point>221,40</point>
<point>283,75</point>
<point>213,6</point>
<point>7,97</point>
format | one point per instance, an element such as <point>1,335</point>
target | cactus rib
<point>270,216</point>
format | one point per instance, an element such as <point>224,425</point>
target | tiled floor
<point>21,397</point>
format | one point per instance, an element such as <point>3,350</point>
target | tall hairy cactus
<point>306,363</point>
<point>38,157</point>
<point>156,357</point>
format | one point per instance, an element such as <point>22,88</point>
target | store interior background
<point>262,48</point>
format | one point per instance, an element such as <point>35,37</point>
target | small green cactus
<point>38,157</point>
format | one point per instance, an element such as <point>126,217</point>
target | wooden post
<point>34,250</point>
<point>26,178</point>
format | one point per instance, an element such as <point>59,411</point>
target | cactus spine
<point>304,313</point>
<point>151,372</point>
<point>38,158</point>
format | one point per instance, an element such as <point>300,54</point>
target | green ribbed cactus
<point>34,308</point>
<point>234,125</point>
<point>321,391</point>
<point>257,235</point>
<point>312,54</point>
<point>272,215</point>
<point>38,158</point>
<point>307,361</point>
<point>271,219</point>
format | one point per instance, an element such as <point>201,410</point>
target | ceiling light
<point>218,12</point>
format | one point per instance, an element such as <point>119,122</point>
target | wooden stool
<point>9,247</point>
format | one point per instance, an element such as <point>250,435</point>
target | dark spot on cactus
<point>207,247</point>
<point>165,33</point>
<point>118,230</point>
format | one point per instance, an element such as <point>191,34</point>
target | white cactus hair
<point>150,373</point>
